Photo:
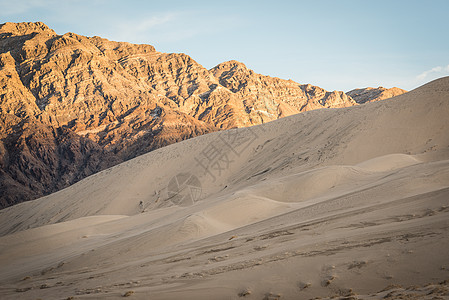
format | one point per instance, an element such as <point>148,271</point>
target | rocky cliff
<point>72,105</point>
<point>374,94</point>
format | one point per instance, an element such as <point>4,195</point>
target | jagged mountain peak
<point>24,28</point>
<point>230,64</point>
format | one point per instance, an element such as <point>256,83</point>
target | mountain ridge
<point>122,100</point>
<point>370,94</point>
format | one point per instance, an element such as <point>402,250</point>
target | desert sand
<point>347,202</point>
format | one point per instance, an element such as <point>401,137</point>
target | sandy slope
<point>329,202</point>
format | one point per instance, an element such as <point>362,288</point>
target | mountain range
<point>71,105</point>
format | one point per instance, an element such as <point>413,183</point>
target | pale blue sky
<point>338,45</point>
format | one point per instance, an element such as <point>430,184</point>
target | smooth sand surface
<point>333,202</point>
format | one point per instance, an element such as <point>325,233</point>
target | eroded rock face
<point>73,105</point>
<point>374,94</point>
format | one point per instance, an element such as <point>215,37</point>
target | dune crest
<point>389,162</point>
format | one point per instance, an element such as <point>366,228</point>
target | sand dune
<point>334,202</point>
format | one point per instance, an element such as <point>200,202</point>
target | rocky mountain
<point>374,94</point>
<point>72,105</point>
